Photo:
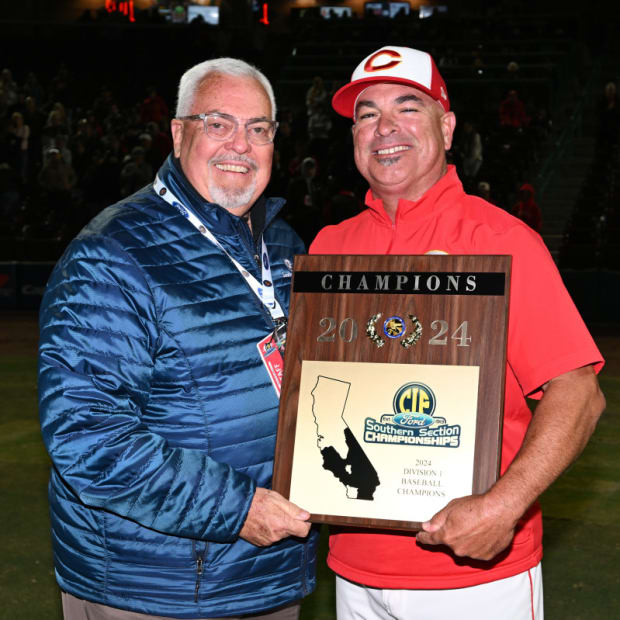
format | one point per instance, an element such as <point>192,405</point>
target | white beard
<point>232,199</point>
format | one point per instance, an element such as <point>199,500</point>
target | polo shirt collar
<point>440,196</point>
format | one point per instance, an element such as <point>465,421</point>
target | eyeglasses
<point>223,126</point>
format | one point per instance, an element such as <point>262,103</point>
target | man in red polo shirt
<point>479,557</point>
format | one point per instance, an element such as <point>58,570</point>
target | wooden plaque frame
<point>339,305</point>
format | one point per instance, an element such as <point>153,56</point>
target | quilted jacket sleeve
<point>99,334</point>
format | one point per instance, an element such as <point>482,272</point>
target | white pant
<point>514,598</point>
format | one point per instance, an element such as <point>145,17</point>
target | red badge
<point>272,358</point>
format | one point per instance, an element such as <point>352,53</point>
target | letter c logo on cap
<point>369,67</point>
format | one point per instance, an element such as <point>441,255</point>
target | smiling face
<point>400,138</point>
<point>232,173</point>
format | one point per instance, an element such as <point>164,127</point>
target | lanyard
<point>265,290</point>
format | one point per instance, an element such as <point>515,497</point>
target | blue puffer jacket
<point>158,414</point>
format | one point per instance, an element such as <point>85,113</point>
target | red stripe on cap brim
<point>344,98</point>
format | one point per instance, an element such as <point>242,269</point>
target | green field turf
<point>582,509</point>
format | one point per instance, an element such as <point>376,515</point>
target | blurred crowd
<point>504,123</point>
<point>592,238</point>
<point>65,154</point>
<point>314,165</point>
<point>62,160</point>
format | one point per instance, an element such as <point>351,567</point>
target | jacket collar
<point>219,220</point>
<point>437,198</point>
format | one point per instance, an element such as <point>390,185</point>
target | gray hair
<point>192,79</point>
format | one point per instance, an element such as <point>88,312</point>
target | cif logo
<point>394,327</point>
<point>370,65</point>
<point>414,404</point>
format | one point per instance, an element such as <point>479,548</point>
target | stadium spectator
<point>62,144</point>
<point>8,90</point>
<point>526,208</point>
<point>161,143</point>
<point>284,142</point>
<point>57,181</point>
<point>512,111</point>
<point>87,133</point>
<point>136,171</point>
<point>114,120</point>
<point>55,125</point>
<point>319,117</point>
<point>484,190</point>
<point>35,119</point>
<point>150,155</point>
<point>305,201</point>
<point>469,149</point>
<point>56,176</point>
<point>18,139</point>
<point>154,108</point>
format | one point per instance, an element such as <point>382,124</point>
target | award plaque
<point>393,386</point>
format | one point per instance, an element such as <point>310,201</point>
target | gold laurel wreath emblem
<point>412,338</point>
<point>371,330</point>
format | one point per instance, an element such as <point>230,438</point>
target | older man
<point>479,557</point>
<point>162,329</point>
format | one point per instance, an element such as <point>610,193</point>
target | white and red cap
<point>401,65</point>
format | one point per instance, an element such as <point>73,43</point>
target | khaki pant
<point>76,609</point>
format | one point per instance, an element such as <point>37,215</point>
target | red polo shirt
<point>546,338</point>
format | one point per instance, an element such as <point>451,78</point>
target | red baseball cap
<point>401,65</point>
